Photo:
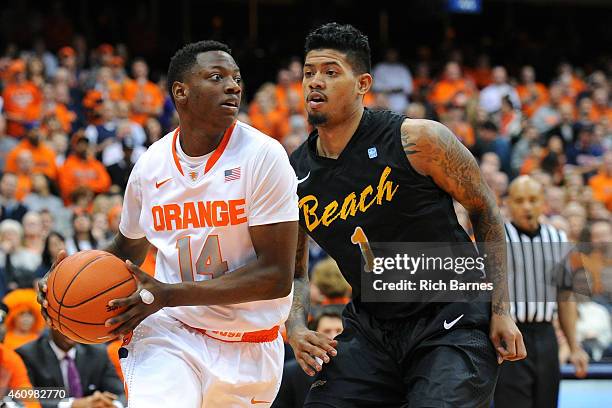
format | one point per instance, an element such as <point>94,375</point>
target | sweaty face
<point>330,87</point>
<point>526,204</point>
<point>212,89</point>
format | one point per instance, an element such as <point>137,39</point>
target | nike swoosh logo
<point>161,183</point>
<point>447,326</point>
<point>254,401</point>
<point>303,179</point>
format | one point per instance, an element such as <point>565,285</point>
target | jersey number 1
<point>209,263</point>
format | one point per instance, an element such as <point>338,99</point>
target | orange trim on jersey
<point>220,149</point>
<point>215,156</point>
<point>260,336</point>
<point>174,155</point>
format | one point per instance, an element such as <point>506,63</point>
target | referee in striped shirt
<point>537,291</point>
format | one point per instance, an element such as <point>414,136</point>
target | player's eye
<point>307,74</point>
<point>216,77</point>
<point>331,72</point>
<point>238,79</point>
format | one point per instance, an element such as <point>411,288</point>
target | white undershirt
<point>195,165</point>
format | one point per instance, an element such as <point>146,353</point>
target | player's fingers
<point>521,350</point>
<point>138,273</point>
<point>110,395</point>
<point>500,350</point>
<point>122,318</point>
<point>104,399</point>
<point>310,361</point>
<point>581,366</point>
<point>305,367</point>
<point>510,340</point>
<point>133,299</point>
<point>128,326</point>
<point>323,342</point>
<point>61,255</point>
<point>316,352</point>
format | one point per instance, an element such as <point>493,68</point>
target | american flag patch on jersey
<point>232,174</point>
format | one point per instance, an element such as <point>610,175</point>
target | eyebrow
<point>324,64</point>
<point>222,68</point>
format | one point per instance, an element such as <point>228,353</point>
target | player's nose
<point>316,81</point>
<point>232,87</point>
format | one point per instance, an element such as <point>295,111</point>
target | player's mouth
<point>315,100</point>
<point>231,104</point>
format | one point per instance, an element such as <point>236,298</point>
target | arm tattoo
<point>300,307</point>
<point>433,150</point>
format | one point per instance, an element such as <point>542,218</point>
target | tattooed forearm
<point>488,229</point>
<point>433,150</point>
<point>301,287</point>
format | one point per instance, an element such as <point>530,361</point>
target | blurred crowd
<point>74,120</point>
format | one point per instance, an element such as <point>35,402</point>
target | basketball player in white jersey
<point>217,198</point>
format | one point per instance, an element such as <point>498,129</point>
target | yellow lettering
<point>349,206</point>
<point>385,191</point>
<point>366,192</point>
<point>309,211</point>
<point>330,209</point>
<point>384,187</point>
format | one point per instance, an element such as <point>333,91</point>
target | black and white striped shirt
<point>537,269</point>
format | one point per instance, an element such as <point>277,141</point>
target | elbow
<point>281,283</point>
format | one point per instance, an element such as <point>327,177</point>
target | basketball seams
<point>59,317</point>
<point>51,282</point>
<point>98,294</point>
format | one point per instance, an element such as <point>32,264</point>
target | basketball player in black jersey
<point>382,177</point>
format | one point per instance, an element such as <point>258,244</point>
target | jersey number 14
<point>210,263</point>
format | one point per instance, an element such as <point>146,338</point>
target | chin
<point>317,119</point>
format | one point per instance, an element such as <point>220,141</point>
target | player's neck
<point>196,141</point>
<point>333,138</point>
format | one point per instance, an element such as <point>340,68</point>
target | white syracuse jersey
<point>200,223</point>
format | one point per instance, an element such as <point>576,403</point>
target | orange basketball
<point>78,292</point>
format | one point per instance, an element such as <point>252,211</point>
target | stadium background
<point>567,42</point>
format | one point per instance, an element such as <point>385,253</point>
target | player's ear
<point>364,83</point>
<point>180,92</point>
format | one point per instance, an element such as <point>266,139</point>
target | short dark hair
<point>344,38</point>
<point>185,58</point>
<point>327,311</point>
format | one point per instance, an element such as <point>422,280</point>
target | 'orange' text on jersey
<point>385,190</point>
<point>198,214</point>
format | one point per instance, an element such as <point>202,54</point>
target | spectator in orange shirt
<point>532,94</point>
<point>13,372</point>
<point>601,183</point>
<point>24,323</point>
<point>25,164</point>
<point>451,85</point>
<point>573,84</point>
<point>42,154</point>
<point>455,120</point>
<point>601,106</point>
<point>35,69</point>
<point>482,74</point>
<point>7,143</point>
<point>107,86</point>
<point>22,100</point>
<point>145,97</point>
<point>297,72</point>
<point>81,169</point>
<point>53,108</point>
<point>265,114</point>
<point>284,90</point>
<point>68,61</point>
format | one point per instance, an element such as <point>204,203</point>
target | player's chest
<point>348,196</point>
<point>175,204</point>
